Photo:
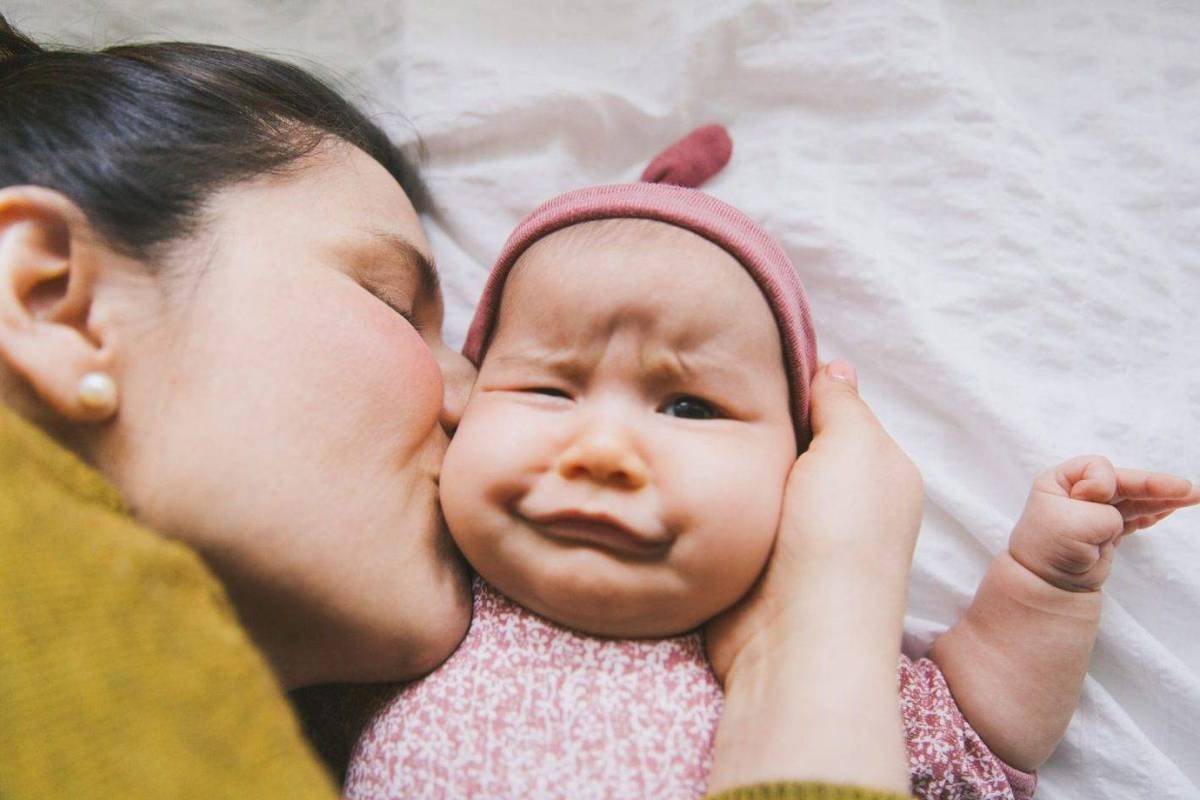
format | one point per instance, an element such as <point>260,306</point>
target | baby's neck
<point>491,603</point>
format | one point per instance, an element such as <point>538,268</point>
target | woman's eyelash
<point>406,313</point>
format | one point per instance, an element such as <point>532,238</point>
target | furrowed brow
<point>567,366</point>
<point>664,365</point>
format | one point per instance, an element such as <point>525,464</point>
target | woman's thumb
<point>834,395</point>
<point>842,370</point>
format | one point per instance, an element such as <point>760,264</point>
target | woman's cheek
<point>385,364</point>
<point>419,374</point>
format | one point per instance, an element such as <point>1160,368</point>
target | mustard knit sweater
<point>123,670</point>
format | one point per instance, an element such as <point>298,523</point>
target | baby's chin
<point>591,592</point>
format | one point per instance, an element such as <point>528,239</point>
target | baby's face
<point>620,465</point>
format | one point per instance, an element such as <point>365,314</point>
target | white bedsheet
<point>995,207</point>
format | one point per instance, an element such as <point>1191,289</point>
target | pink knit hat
<point>687,163</point>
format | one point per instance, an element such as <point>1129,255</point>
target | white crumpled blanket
<point>995,207</point>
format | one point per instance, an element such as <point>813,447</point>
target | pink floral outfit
<point>525,708</point>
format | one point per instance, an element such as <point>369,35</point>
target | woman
<point>215,293</point>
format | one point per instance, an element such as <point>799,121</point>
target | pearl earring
<point>98,392</point>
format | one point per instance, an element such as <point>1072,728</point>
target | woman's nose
<point>458,376</point>
<point>606,456</point>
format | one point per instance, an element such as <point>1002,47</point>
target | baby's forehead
<point>589,279</point>
<point>618,232</point>
<point>615,256</point>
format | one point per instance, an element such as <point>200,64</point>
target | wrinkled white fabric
<point>995,208</point>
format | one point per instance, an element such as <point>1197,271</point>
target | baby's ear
<point>49,257</point>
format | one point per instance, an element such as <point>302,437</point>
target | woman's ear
<point>49,261</point>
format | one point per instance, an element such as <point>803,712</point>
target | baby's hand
<point>1078,512</point>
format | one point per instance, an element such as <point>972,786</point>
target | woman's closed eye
<point>389,299</point>
<point>689,407</point>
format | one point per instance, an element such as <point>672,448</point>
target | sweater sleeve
<point>123,669</point>
<point>947,759</point>
<point>805,790</point>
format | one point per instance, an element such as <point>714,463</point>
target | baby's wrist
<point>1019,582</point>
<point>1028,547</point>
<point>1056,579</point>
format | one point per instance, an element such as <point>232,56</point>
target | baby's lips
<point>581,520</point>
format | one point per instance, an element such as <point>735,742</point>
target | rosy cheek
<point>493,444</point>
<point>415,361</point>
<point>385,365</point>
<point>469,482</point>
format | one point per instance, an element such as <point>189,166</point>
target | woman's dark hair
<point>139,136</point>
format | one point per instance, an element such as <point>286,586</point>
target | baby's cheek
<point>479,475</point>
<point>740,522</point>
<point>461,488</point>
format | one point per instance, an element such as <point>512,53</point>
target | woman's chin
<point>392,636</point>
<point>442,617</point>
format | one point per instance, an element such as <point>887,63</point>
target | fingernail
<point>842,370</point>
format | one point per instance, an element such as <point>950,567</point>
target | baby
<point>616,481</point>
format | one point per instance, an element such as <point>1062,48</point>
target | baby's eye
<point>689,407</point>
<point>549,391</point>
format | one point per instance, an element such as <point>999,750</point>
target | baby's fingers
<point>1145,521</point>
<point>1091,478</point>
<point>1136,484</point>
<point>1140,508</point>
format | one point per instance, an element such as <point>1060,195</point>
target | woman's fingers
<point>835,406</point>
<point>833,396</point>
<point>842,370</point>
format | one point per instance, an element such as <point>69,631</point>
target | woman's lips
<point>601,530</point>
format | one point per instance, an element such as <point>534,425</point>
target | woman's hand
<point>851,510</point>
<point>808,658</point>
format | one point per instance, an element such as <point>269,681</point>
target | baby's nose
<point>604,456</point>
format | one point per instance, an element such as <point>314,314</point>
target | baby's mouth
<point>601,530</point>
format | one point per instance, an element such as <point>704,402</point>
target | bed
<point>995,207</point>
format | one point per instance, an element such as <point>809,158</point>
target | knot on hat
<point>693,159</point>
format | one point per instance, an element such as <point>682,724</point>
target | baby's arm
<point>1016,660</point>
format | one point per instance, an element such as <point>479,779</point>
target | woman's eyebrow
<point>407,253</point>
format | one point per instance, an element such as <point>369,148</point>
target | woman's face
<point>283,410</point>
